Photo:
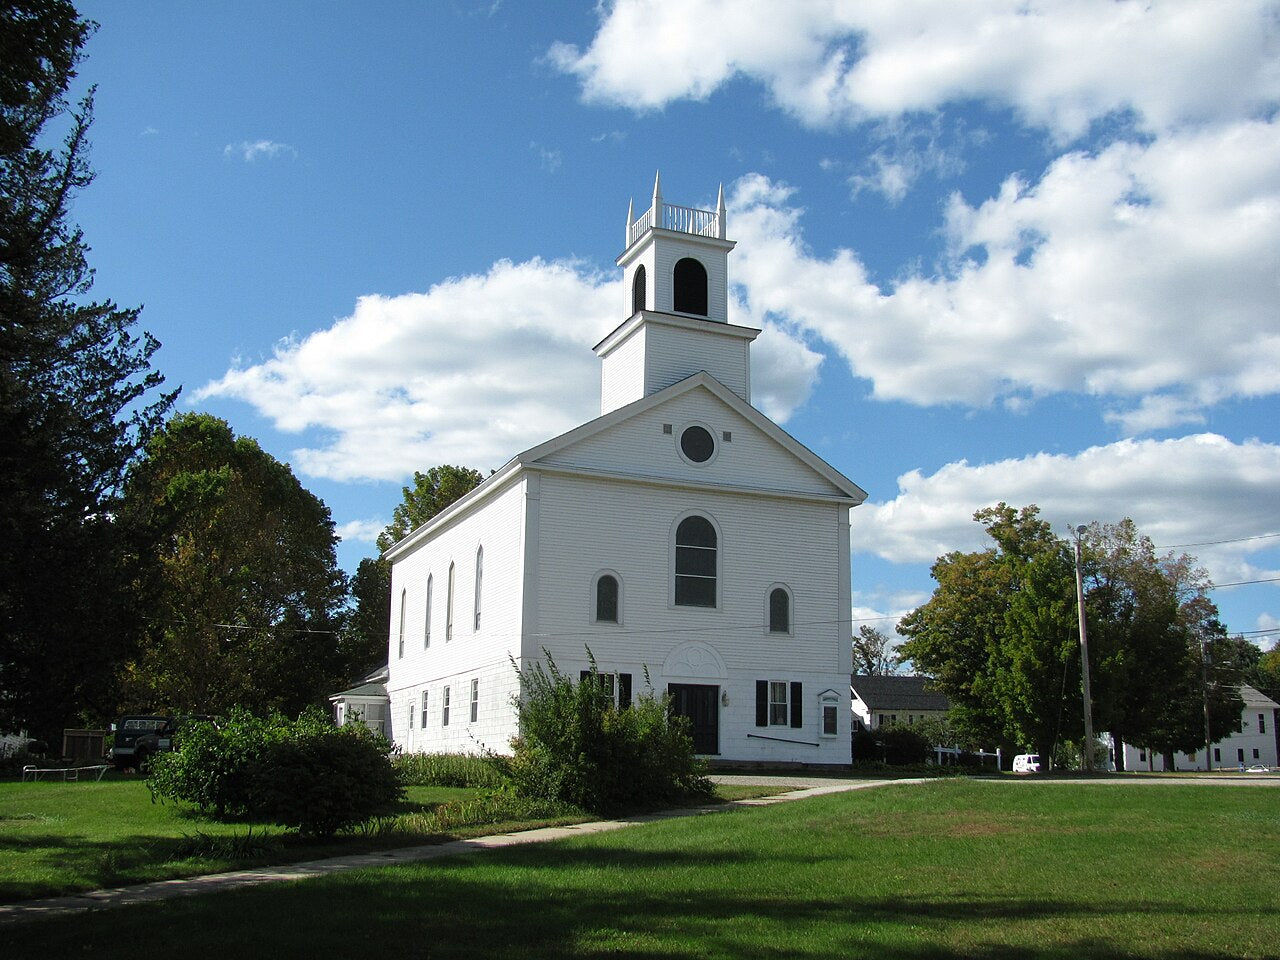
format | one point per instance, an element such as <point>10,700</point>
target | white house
<point>1254,744</point>
<point>680,535</point>
<point>878,700</point>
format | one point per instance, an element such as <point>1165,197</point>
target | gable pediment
<point>642,441</point>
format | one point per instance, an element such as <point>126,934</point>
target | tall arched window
<point>695,574</point>
<point>403,595</point>
<point>779,610</point>
<point>606,609</point>
<point>638,290</point>
<point>426,626</point>
<point>689,294</point>
<point>479,582</point>
<point>448,609</point>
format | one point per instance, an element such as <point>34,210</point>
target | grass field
<point>60,838</point>
<point>949,869</point>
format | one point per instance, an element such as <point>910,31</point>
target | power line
<point>1214,543</point>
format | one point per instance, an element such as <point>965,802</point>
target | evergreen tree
<point>74,383</point>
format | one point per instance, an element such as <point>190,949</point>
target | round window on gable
<point>697,444</point>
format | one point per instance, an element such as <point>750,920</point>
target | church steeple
<point>675,269</point>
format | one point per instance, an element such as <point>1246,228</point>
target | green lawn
<point>948,869</point>
<point>66,837</point>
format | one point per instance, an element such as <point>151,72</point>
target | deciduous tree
<point>431,492</point>
<point>245,588</point>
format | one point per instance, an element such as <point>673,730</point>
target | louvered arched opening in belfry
<point>689,292</point>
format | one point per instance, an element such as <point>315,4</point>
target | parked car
<point>1259,768</point>
<point>1026,763</point>
<point>128,731</point>
<point>162,740</point>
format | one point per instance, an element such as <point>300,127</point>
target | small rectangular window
<point>1262,723</point>
<point>1255,753</point>
<point>424,709</point>
<point>829,719</point>
<point>779,712</point>
<point>444,707</point>
<point>475,700</point>
<point>1217,755</point>
<point>410,715</point>
<point>1240,754</point>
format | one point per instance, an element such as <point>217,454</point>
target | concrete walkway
<point>791,789</point>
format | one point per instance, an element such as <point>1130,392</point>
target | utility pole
<point>1204,690</point>
<point>1087,752</point>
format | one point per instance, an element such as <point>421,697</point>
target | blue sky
<point>999,251</point>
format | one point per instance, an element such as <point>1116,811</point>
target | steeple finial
<point>720,215</point>
<point>631,204</point>
<point>657,199</point>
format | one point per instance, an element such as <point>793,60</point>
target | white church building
<point>681,535</point>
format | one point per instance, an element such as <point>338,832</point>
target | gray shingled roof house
<point>886,699</point>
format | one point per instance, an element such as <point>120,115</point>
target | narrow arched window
<point>779,611</point>
<point>638,290</point>
<point>403,596</point>
<point>426,626</point>
<point>695,575</point>
<point>479,582</point>
<point>448,609</point>
<point>607,599</point>
<point>689,294</point>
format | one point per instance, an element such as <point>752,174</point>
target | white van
<point>1026,763</point>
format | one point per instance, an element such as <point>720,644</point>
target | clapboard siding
<point>499,528</point>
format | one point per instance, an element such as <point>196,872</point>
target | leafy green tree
<point>431,492</point>
<point>74,382</point>
<point>873,653</point>
<point>997,634</point>
<point>369,617</point>
<point>1000,637</point>
<point>244,586</point>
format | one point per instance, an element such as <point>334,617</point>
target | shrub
<point>576,747</point>
<point>891,744</point>
<point>306,774</point>
<point>321,778</point>
<point>214,765</point>
<point>448,770</point>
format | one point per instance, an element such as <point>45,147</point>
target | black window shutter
<point>762,703</point>
<point>624,691</point>
<point>797,708</point>
<point>582,676</point>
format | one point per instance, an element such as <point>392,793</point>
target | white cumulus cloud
<point>473,371</point>
<point>1060,64</point>
<point>1201,489</point>
<point>1144,274</point>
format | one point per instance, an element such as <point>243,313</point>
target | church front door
<point>701,704</point>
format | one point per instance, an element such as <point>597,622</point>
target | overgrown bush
<point>306,774</point>
<point>575,746</point>
<point>448,770</point>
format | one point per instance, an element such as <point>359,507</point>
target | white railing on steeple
<point>702,223</point>
<point>669,216</point>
